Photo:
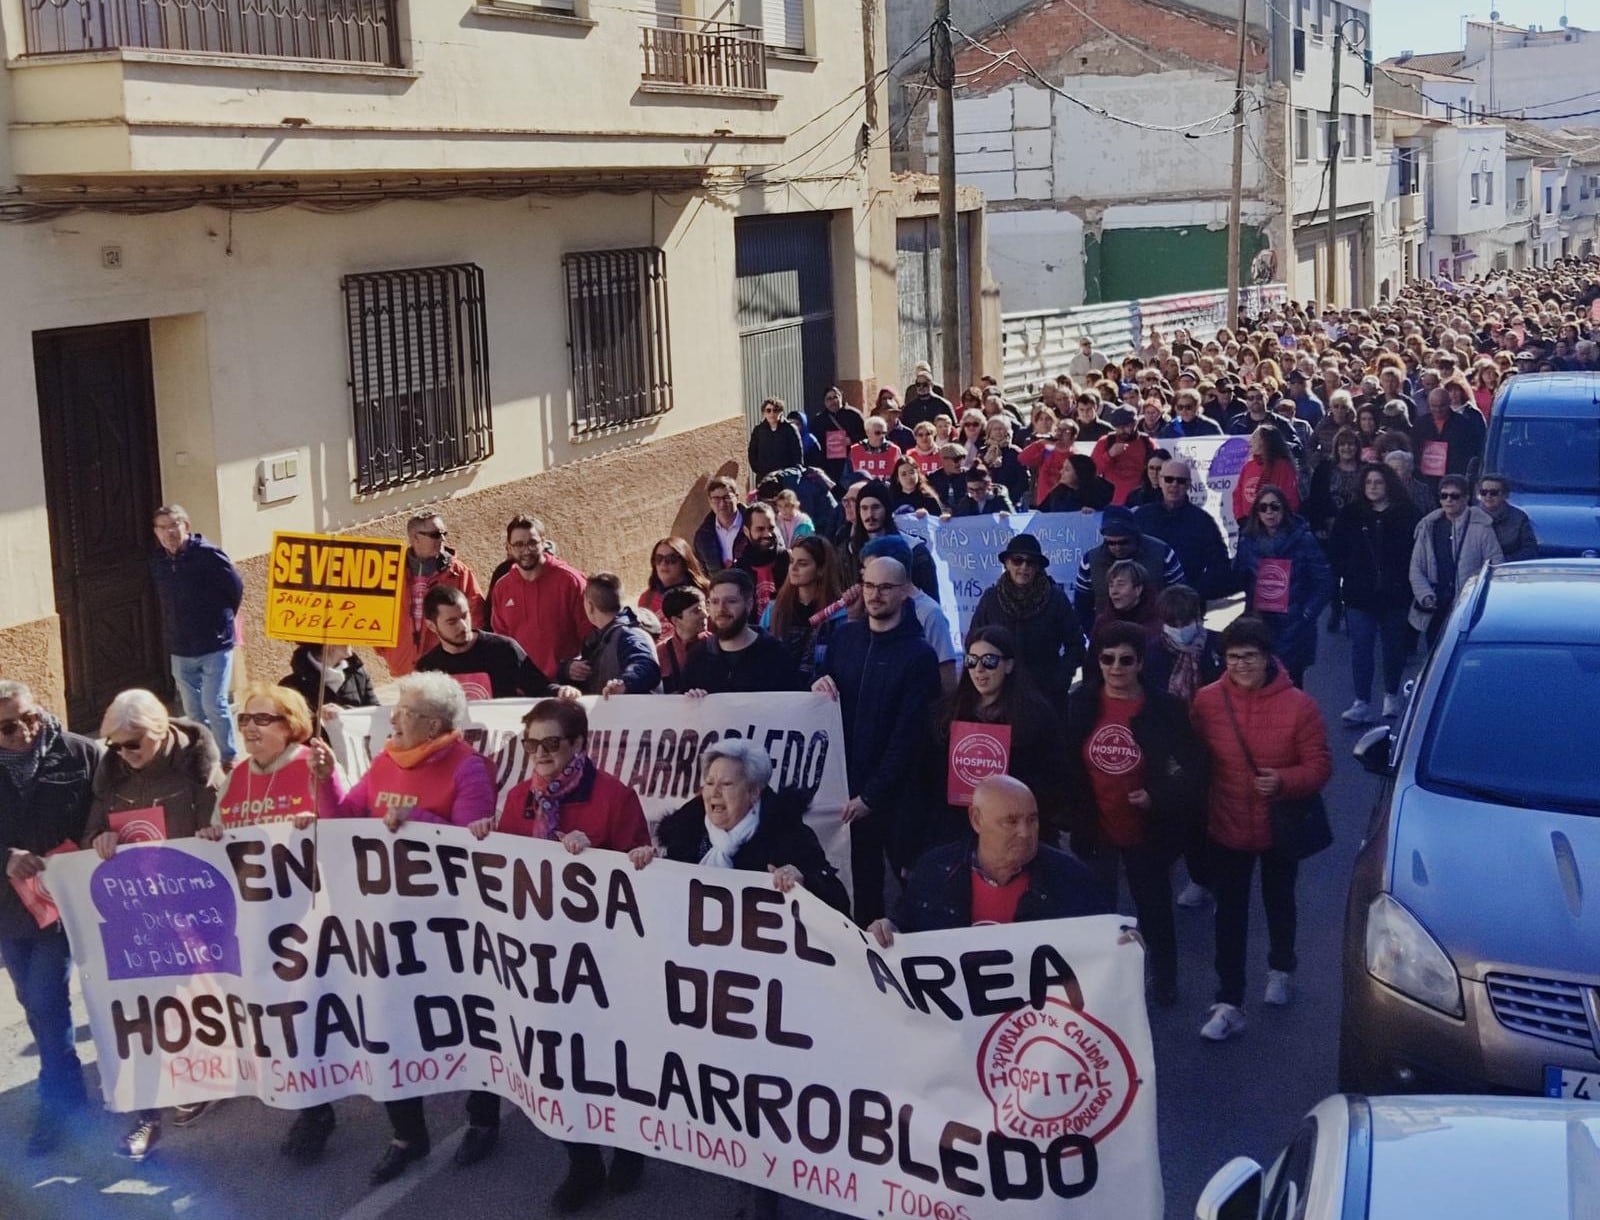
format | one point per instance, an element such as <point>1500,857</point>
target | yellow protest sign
<point>332,589</point>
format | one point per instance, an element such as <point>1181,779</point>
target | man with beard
<point>540,603</point>
<point>1121,455</point>
<point>875,519</point>
<point>886,679</point>
<point>764,556</point>
<point>487,665</point>
<point>738,657</point>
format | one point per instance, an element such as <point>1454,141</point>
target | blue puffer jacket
<point>1294,633</point>
<point>200,591</point>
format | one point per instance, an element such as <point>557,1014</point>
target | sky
<point>1435,25</point>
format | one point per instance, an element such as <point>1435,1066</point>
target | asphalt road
<point>1242,1097</point>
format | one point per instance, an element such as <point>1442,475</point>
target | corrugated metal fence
<point>1039,345</point>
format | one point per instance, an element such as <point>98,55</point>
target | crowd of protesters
<point>1137,736</point>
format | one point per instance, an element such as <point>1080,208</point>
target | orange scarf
<point>416,755</point>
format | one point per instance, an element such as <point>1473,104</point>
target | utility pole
<point>1331,297</point>
<point>1494,30</point>
<point>944,79</point>
<point>1236,200</point>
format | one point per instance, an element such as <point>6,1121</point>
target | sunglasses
<point>1174,480</point>
<point>667,557</point>
<point>1118,660</point>
<point>1450,495</point>
<point>989,660</point>
<point>1484,493</point>
<point>117,747</point>
<point>10,728</point>
<point>260,719</point>
<point>542,745</point>
<point>1269,506</point>
<point>1023,561</point>
<point>436,534</point>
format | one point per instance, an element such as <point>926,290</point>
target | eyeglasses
<point>1242,659</point>
<point>1268,506</point>
<point>260,719</point>
<point>720,497</point>
<point>10,728</point>
<point>117,747</point>
<point>987,660</point>
<point>769,410</point>
<point>1451,495</point>
<point>888,586</point>
<point>1174,480</point>
<point>434,534</point>
<point>543,745</point>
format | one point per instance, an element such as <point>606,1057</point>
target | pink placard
<point>1272,586</point>
<point>1435,458</point>
<point>977,751</point>
<point>838,446</point>
<point>140,825</point>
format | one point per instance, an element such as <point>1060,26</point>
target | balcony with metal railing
<point>337,31</point>
<point>683,54</point>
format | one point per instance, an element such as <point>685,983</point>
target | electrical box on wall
<point>278,478</point>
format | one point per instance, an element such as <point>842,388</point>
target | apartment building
<point>315,267</point>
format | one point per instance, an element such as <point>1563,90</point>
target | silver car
<point>1472,934</point>
<point>1422,1158</point>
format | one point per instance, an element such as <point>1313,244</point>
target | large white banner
<point>686,1013</point>
<point>966,550</point>
<point>653,743</point>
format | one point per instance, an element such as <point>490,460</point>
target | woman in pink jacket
<point>425,773</point>
<point>1267,743</point>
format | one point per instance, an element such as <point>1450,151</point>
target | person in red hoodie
<point>539,603</point>
<point>569,800</point>
<point>1267,743</point>
<point>429,562</point>
<point>1270,463</point>
<point>1121,455</point>
<point>426,772</point>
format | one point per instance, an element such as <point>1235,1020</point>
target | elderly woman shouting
<point>426,773</point>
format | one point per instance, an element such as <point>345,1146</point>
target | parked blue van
<point>1545,438</point>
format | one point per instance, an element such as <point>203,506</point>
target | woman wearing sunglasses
<point>566,799</point>
<point>1286,579</point>
<point>152,760</point>
<point>672,563</point>
<point>992,690</point>
<point>1141,783</point>
<point>286,774</point>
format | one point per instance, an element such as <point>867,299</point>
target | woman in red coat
<point>1270,463</point>
<point>1267,743</point>
<point>571,801</point>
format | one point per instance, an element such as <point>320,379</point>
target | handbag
<point>1300,826</point>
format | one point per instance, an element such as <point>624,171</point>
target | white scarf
<point>725,844</point>
<point>333,676</point>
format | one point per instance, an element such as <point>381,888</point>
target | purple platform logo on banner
<point>165,913</point>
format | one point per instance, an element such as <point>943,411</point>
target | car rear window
<point>1515,724</point>
<point>1550,455</point>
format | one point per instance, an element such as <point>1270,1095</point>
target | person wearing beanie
<point>1121,538</point>
<point>875,519</point>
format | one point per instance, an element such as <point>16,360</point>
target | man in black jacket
<point>737,657</point>
<point>1001,875</point>
<point>886,679</point>
<point>46,777</point>
<point>774,442</point>
<point>1191,532</point>
<point>480,658</point>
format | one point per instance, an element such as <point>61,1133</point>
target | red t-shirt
<point>1115,765</point>
<point>874,463</point>
<point>544,615</point>
<point>926,462</point>
<point>996,903</point>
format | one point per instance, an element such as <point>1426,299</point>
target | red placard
<point>34,895</point>
<point>140,825</point>
<point>977,751</point>
<point>838,446</point>
<point>1435,458</point>
<point>476,686</point>
<point>1272,586</point>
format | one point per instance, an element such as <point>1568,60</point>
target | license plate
<point>1571,1084</point>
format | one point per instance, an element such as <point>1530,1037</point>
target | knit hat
<point>1124,417</point>
<point>1117,522</point>
<point>876,489</point>
<point>890,546</point>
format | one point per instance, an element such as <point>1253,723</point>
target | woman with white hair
<point>738,822</point>
<point>425,773</point>
<point>152,761</point>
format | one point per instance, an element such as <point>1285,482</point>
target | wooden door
<point>102,484</point>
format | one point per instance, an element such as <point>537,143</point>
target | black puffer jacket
<point>1049,643</point>
<point>305,677</point>
<point>782,837</point>
<point>1370,553</point>
<point>51,809</point>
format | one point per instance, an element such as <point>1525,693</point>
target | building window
<point>1410,173</point>
<point>1522,192</point>
<point>1327,133</point>
<point>1366,137</point>
<point>1347,137</point>
<point>1488,188</point>
<point>1564,203</point>
<point>1477,180</point>
<point>1302,135</point>
<point>1320,21</point>
<point>1548,194</point>
<point>783,24</point>
<point>618,337</point>
<point>419,373</point>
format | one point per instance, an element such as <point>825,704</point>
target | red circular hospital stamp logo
<point>1272,584</point>
<point>1113,750</point>
<point>1056,1071</point>
<point>976,756</point>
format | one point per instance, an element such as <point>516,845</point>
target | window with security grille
<point>419,373</point>
<point>618,336</point>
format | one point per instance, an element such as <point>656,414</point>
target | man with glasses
<point>1121,538</point>
<point>429,563</point>
<point>1453,543</point>
<point>1187,420</point>
<point>1512,528</point>
<point>199,590</point>
<point>539,604</point>
<point>886,680</point>
<point>46,784</point>
<point>720,538</point>
<point>775,443</point>
<point>476,657</point>
<point>1192,533</point>
<point>1253,415</point>
<point>984,496</point>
